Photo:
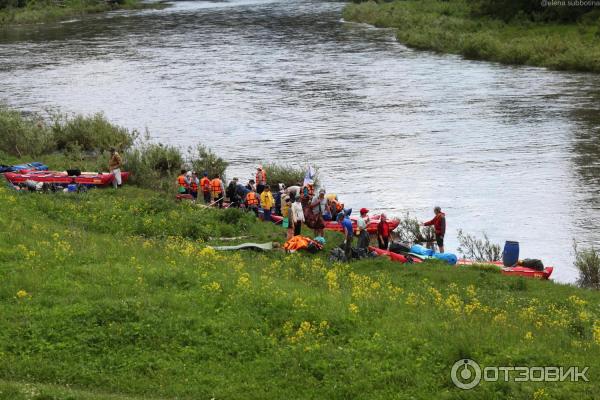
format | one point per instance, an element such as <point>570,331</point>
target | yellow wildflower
<point>332,281</point>
<point>529,336</point>
<point>22,293</point>
<point>353,308</point>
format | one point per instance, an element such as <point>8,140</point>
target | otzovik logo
<point>466,374</point>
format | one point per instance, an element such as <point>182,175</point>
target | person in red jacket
<point>383,232</point>
<point>439,224</point>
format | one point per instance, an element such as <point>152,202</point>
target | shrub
<point>204,159</point>
<point>472,248</point>
<point>24,135</point>
<point>153,165</point>
<point>409,230</point>
<point>91,133</point>
<point>287,174</point>
<point>587,263</point>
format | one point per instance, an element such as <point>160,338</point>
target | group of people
<point>298,205</point>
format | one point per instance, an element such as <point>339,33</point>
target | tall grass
<point>451,27</point>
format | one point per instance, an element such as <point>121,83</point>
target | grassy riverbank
<point>117,295</point>
<point>47,11</point>
<point>452,27</point>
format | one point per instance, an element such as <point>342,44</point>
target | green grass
<point>449,27</point>
<point>48,12</point>
<point>115,295</point>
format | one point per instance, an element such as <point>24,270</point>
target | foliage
<point>115,294</point>
<point>411,231</point>
<point>91,133</point>
<point>203,159</point>
<point>508,10</point>
<point>473,248</point>
<point>38,11</point>
<point>153,165</point>
<point>287,174</point>
<point>24,135</point>
<point>587,263</point>
<point>452,27</point>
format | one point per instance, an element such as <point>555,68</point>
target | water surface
<point>512,151</point>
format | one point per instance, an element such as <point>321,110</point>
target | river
<point>511,151</point>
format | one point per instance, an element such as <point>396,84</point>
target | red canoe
<point>393,256</point>
<point>62,178</point>
<point>371,226</point>
<point>514,271</point>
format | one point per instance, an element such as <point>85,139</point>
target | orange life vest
<point>205,184</point>
<point>216,186</point>
<point>311,190</point>
<point>261,177</point>
<point>181,181</point>
<point>338,206</point>
<point>194,185</point>
<point>251,199</point>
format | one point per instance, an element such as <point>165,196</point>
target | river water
<point>511,151</point>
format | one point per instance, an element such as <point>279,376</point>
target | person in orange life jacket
<point>252,201</point>
<point>217,190</point>
<point>439,224</point>
<point>363,235</point>
<point>267,202</point>
<point>194,185</point>
<point>261,179</point>
<point>383,232</point>
<point>183,182</point>
<point>205,187</point>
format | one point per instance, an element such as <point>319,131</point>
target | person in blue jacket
<point>348,234</point>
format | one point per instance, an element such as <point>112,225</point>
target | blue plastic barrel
<point>447,257</point>
<point>72,187</point>
<point>510,255</point>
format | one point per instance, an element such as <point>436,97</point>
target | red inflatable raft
<point>62,178</point>
<point>371,226</point>
<point>394,256</point>
<point>515,271</point>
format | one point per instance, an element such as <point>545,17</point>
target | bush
<point>153,165</point>
<point>284,173</point>
<point>409,230</point>
<point>91,133</point>
<point>587,263</point>
<point>204,159</point>
<point>472,248</point>
<point>23,136</point>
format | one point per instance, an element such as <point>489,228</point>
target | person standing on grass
<point>288,212</point>
<point>319,207</point>
<point>346,224</point>
<point>267,202</point>
<point>439,224</point>
<point>194,185</point>
<point>218,191</point>
<point>205,186</point>
<point>297,215</point>
<point>252,201</point>
<point>261,179</point>
<point>383,232</point>
<point>114,166</point>
<point>363,235</point>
